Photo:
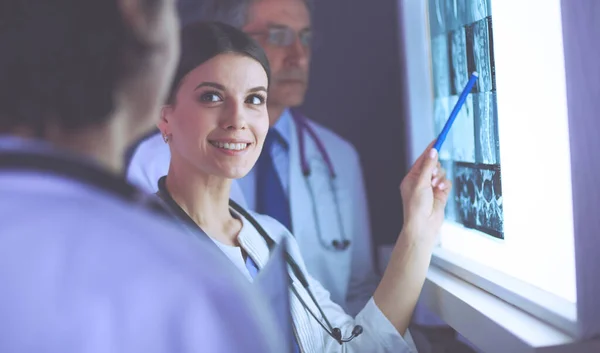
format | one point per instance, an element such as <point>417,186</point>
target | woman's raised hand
<point>425,191</point>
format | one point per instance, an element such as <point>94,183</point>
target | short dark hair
<point>62,60</point>
<point>203,41</point>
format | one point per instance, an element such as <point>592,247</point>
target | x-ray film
<point>481,48</point>
<point>441,66</point>
<point>451,209</point>
<point>478,197</point>
<point>462,133</point>
<point>477,10</point>
<point>437,17</point>
<point>458,59</point>
<point>456,13</point>
<point>462,42</point>
<point>487,147</point>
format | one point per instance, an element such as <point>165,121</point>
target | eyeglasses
<point>282,36</point>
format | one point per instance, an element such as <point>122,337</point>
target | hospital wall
<point>355,90</point>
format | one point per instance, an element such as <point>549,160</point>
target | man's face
<point>283,29</point>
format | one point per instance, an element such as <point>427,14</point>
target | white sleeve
<point>378,336</point>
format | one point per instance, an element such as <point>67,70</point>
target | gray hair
<point>231,12</point>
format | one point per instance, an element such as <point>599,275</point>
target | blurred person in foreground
<point>88,263</point>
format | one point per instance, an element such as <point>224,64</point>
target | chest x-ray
<point>462,42</point>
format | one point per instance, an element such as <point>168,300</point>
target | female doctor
<point>215,123</point>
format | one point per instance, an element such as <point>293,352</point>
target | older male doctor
<point>308,177</point>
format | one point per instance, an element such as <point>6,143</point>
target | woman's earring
<point>166,138</point>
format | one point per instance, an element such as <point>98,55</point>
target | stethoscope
<point>302,126</point>
<point>178,212</point>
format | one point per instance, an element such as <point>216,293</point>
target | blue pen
<point>461,101</point>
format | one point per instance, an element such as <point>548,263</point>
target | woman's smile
<point>231,147</point>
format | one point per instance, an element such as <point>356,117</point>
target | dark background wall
<point>356,91</point>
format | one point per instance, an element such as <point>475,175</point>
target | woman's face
<point>218,120</point>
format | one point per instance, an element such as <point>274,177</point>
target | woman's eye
<point>210,97</point>
<point>255,99</point>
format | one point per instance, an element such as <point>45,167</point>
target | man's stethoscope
<point>179,213</point>
<point>302,129</point>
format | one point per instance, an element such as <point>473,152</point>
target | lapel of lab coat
<point>318,260</point>
<point>309,332</point>
<point>300,201</point>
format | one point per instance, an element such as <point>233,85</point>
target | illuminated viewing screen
<point>462,42</point>
<point>511,205</point>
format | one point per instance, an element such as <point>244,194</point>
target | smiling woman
<point>217,105</point>
<point>219,110</point>
<point>215,124</point>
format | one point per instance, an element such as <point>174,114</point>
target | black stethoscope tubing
<point>178,212</point>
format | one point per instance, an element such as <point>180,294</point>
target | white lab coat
<point>85,270</point>
<point>348,275</point>
<point>379,334</point>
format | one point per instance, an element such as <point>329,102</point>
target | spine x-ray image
<point>478,197</point>
<point>462,42</point>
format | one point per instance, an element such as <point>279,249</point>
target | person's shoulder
<point>106,237</point>
<point>275,229</point>
<point>272,226</point>
<point>148,248</point>
<point>148,141</point>
<point>144,263</point>
<point>147,161</point>
<point>153,233</point>
<point>149,148</point>
<point>278,232</point>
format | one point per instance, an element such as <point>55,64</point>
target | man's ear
<point>138,18</point>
